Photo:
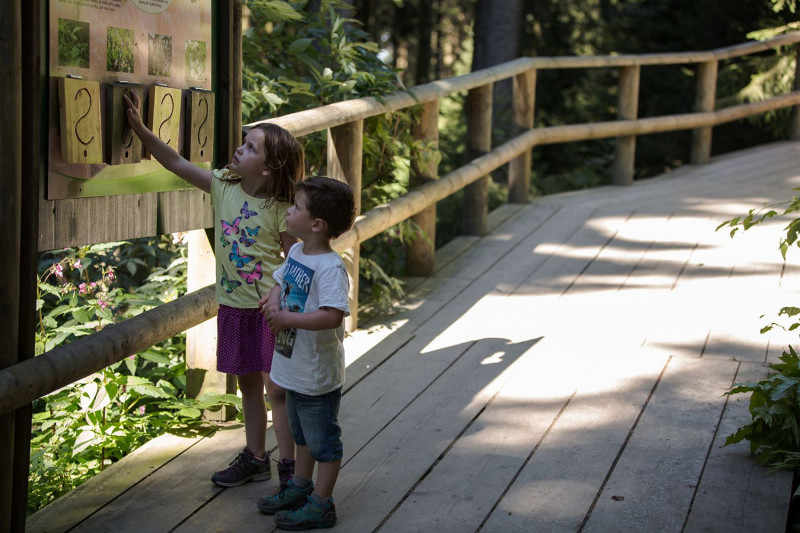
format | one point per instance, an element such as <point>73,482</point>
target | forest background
<point>303,54</point>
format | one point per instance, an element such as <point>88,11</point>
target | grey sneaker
<point>243,469</point>
<point>286,497</point>
<point>310,515</point>
<point>285,470</point>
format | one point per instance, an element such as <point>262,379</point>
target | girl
<point>250,198</point>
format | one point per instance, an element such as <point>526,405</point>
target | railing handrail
<point>22,383</point>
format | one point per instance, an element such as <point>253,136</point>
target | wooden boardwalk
<point>564,373</point>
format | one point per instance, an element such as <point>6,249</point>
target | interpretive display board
<point>98,49</point>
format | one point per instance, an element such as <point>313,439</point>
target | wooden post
<point>704,101</point>
<point>344,163</point>
<point>228,135</point>
<point>479,142</point>
<point>11,140</point>
<point>519,169</point>
<point>420,251</point>
<point>627,109</point>
<point>794,124</point>
<point>201,340</point>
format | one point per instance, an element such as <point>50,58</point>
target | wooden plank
<point>653,492</point>
<point>184,211</point>
<point>558,485</point>
<point>111,483</point>
<point>735,492</point>
<point>162,500</point>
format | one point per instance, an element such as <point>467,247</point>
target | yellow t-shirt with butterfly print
<point>247,242</point>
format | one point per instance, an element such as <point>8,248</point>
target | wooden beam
<point>424,168</point>
<point>704,103</point>
<point>479,141</point>
<point>627,109</point>
<point>10,217</point>
<point>344,163</point>
<point>794,123</point>
<point>519,170</point>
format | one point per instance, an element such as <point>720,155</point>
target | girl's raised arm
<point>164,154</point>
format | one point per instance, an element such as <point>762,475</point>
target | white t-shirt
<point>311,362</point>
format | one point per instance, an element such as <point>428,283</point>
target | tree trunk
<point>497,34</point>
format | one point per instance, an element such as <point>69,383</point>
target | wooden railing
<point>24,382</point>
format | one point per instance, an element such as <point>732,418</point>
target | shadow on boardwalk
<point>564,373</point>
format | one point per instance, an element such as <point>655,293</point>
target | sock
<point>301,482</point>
<point>320,500</point>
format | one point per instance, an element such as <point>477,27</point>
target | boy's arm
<point>164,154</point>
<point>324,318</point>
<point>271,302</point>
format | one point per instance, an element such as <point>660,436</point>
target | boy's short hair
<point>330,200</point>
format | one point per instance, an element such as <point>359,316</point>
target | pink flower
<point>110,274</point>
<point>93,284</point>
<point>58,270</point>
<point>76,264</point>
<point>102,303</point>
<point>82,288</point>
<point>142,409</point>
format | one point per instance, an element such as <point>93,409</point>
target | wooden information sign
<point>122,144</point>
<point>79,118</point>
<point>200,125</point>
<point>165,114</point>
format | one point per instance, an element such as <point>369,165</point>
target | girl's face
<point>249,161</point>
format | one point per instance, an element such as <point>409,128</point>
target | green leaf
<point>82,442</point>
<point>190,412</point>
<point>300,45</point>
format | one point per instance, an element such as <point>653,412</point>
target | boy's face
<point>299,222</point>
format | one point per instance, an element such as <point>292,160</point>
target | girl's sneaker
<point>310,516</point>
<point>243,469</point>
<point>288,496</point>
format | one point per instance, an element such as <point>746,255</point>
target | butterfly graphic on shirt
<point>238,259</point>
<point>231,227</point>
<point>253,275</point>
<point>224,241</point>
<point>252,232</point>
<point>246,213</point>
<point>227,283</point>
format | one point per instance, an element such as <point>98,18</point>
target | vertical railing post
<point>11,140</point>
<point>344,163</point>
<point>519,169</point>
<point>627,109</point>
<point>424,168</point>
<point>704,103</point>
<point>479,142</point>
<point>794,125</point>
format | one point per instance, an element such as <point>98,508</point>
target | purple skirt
<point>244,341</point>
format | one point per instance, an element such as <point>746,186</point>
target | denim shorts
<point>314,421</point>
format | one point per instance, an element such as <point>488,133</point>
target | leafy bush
<point>82,428</point>
<point>774,432</point>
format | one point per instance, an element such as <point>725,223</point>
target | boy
<point>306,310</point>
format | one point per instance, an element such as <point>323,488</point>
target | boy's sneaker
<point>243,469</point>
<point>310,516</point>
<point>285,470</point>
<point>288,496</point>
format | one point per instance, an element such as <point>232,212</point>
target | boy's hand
<point>278,320</point>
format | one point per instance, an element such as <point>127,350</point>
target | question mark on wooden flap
<point>88,110</point>
<point>166,120</point>
<point>202,143</point>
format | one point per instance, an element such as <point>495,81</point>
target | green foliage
<point>296,59</point>
<point>774,433</point>
<point>119,50</point>
<point>82,428</point>
<point>73,43</point>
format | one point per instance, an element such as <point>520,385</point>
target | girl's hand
<point>131,98</point>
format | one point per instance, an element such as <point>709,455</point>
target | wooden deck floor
<point>565,373</point>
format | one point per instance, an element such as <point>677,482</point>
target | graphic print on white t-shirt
<point>294,294</point>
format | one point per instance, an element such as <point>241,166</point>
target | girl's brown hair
<point>286,161</point>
